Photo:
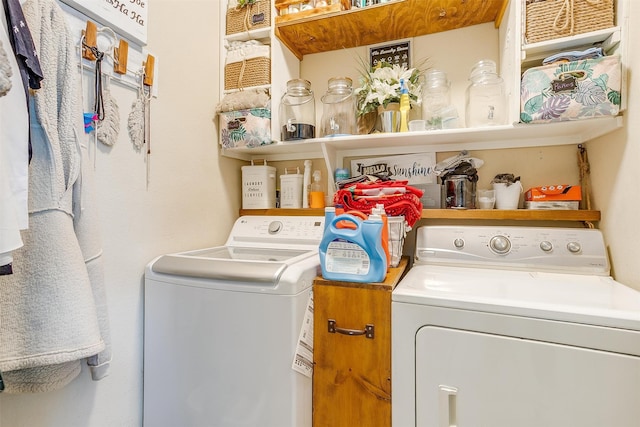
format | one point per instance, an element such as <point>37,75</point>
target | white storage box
<point>258,186</point>
<point>397,233</point>
<point>291,190</point>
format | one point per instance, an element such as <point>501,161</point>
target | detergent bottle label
<point>347,257</point>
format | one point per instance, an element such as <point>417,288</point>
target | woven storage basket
<point>251,72</point>
<point>250,17</point>
<point>552,19</point>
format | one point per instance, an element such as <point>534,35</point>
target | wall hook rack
<point>120,56</point>
<point>90,34</point>
<point>149,66</point>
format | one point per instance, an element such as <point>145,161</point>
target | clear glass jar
<point>297,111</point>
<point>338,108</point>
<point>485,97</point>
<point>436,98</point>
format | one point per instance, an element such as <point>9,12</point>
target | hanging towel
<point>5,71</point>
<point>14,160</point>
<point>49,321</point>
<point>398,198</point>
<point>24,50</point>
<point>86,221</point>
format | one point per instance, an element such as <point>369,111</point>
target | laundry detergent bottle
<point>353,253</point>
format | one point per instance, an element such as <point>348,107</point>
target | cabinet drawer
<point>352,369</point>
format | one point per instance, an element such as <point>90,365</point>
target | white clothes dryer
<point>222,324</point>
<point>514,326</point>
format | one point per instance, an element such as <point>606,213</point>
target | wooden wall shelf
<point>468,214</point>
<point>395,20</point>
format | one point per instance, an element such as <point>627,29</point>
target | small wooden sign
<point>126,17</point>
<point>397,53</point>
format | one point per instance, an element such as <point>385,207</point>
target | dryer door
<point>475,379</point>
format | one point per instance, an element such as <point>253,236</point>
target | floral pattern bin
<point>245,128</point>
<point>571,90</point>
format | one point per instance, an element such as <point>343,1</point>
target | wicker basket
<point>251,72</point>
<point>250,17</point>
<point>552,19</point>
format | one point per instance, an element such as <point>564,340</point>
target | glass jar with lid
<point>485,97</point>
<point>297,111</point>
<point>338,108</point>
<point>436,98</point>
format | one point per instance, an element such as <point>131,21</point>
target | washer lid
<point>235,264</point>
<point>587,299</point>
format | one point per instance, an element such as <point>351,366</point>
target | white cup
<point>486,199</point>
<point>507,196</point>
<point>415,125</point>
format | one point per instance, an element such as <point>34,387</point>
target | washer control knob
<point>574,247</point>
<point>458,243</point>
<point>546,246</point>
<point>500,244</point>
<point>275,227</point>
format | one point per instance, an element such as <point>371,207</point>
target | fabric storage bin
<point>247,64</point>
<point>247,73</point>
<point>245,128</point>
<point>552,19</point>
<point>258,186</point>
<point>570,91</point>
<point>250,17</point>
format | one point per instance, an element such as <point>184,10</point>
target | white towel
<point>49,319</point>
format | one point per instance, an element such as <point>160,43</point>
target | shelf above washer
<point>497,137</point>
<point>464,214</point>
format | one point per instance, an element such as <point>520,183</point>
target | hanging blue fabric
<point>89,120</point>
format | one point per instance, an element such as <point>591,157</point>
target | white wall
<point>191,202</point>
<point>615,171</point>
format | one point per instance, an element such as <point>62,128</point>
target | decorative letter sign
<point>128,17</point>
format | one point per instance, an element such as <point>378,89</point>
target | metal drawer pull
<point>368,330</point>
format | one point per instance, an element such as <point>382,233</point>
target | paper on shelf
<point>303,360</point>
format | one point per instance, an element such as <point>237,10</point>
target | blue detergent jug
<point>353,253</point>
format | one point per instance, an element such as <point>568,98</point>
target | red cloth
<point>405,200</point>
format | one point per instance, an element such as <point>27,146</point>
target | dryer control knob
<point>574,247</point>
<point>546,246</point>
<point>458,243</point>
<point>500,244</point>
<point>275,227</point>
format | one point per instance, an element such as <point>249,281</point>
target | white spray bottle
<point>306,183</point>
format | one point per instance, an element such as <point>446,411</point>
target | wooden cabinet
<point>392,20</point>
<point>352,352</point>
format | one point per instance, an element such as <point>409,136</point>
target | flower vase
<point>389,117</point>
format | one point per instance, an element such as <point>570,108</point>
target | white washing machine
<point>514,326</point>
<point>221,327</point>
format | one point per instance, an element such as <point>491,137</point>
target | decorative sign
<point>398,53</point>
<point>414,168</point>
<point>128,17</point>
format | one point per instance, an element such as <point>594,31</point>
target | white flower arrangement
<point>381,86</point>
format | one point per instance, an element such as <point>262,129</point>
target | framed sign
<point>127,17</point>
<point>397,53</point>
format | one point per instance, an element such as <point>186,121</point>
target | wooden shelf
<point>468,214</point>
<point>517,215</point>
<point>383,22</point>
